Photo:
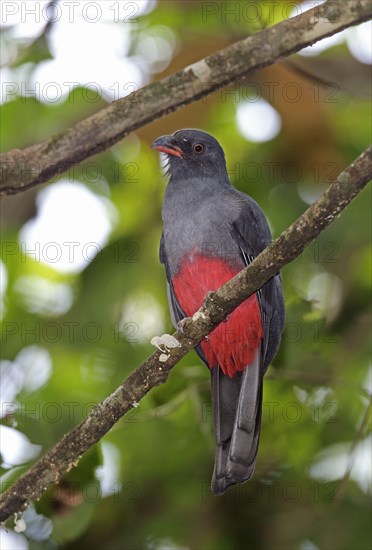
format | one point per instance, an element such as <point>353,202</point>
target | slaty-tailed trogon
<point>212,231</point>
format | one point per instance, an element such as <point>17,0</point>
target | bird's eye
<point>198,147</point>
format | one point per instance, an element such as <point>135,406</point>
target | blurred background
<point>83,292</point>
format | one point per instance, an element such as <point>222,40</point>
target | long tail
<point>237,407</point>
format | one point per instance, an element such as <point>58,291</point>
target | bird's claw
<point>181,324</point>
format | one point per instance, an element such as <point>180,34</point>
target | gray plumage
<point>202,211</point>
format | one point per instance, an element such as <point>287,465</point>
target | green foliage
<point>146,485</point>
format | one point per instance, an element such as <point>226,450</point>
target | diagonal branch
<point>22,169</point>
<point>217,306</point>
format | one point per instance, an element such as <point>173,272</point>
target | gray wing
<point>252,234</point>
<point>237,402</point>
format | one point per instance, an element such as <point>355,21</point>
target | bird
<point>211,231</point>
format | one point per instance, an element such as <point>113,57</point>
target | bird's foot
<point>181,324</point>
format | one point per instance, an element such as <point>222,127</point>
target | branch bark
<point>22,169</point>
<point>217,306</point>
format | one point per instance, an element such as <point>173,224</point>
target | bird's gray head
<point>192,154</point>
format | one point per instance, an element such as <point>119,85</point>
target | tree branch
<point>22,169</point>
<point>217,306</point>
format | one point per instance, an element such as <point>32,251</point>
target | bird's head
<point>192,153</point>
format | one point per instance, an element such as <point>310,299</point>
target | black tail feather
<point>237,407</point>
